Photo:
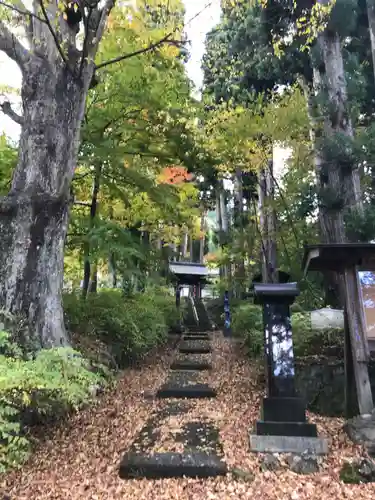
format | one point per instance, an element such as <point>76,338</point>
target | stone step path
<point>176,441</point>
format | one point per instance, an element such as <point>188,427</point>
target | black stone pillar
<point>283,412</point>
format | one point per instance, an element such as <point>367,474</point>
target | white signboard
<point>366,281</point>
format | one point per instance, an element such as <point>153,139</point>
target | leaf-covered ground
<point>80,460</point>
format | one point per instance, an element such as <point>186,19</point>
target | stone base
<point>288,444</point>
<point>297,429</point>
<point>282,409</point>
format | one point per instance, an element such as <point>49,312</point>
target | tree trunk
<point>238,220</point>
<point>331,281</point>
<point>224,228</point>
<point>86,269</point>
<point>93,286</point>
<point>87,274</point>
<point>202,239</point>
<point>174,251</point>
<point>371,24</point>
<point>334,180</point>
<point>271,223</point>
<point>263,225</point>
<point>113,270</point>
<point>191,248</point>
<point>267,223</point>
<point>219,225</point>
<point>34,215</point>
<point>184,246</point>
<point>112,267</point>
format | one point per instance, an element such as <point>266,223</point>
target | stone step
<point>189,338</point>
<point>169,464</point>
<point>191,349</point>
<point>190,364</point>
<point>196,391</point>
<point>198,332</point>
<point>175,442</point>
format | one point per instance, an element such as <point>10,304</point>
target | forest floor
<point>80,459</point>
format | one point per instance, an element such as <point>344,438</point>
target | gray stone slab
<point>288,444</point>
<point>164,465</point>
<point>194,391</point>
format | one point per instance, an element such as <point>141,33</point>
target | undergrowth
<point>38,386</point>
<point>127,327</point>
<point>53,381</point>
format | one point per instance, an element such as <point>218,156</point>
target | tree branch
<point>152,46</point>
<point>23,11</point>
<point>86,23</point>
<point>12,47</point>
<point>108,6</point>
<point>6,108</point>
<point>53,33</point>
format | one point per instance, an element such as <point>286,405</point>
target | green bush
<point>129,327</point>
<point>58,378</point>
<point>309,342</point>
<point>247,323</point>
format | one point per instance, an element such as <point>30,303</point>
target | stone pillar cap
<point>279,291</point>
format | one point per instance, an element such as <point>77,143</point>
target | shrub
<point>247,322</point>
<point>309,342</point>
<point>55,379</point>
<point>129,327</point>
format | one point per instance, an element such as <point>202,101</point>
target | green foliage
<point>247,323</point>
<point>129,327</point>
<point>8,160</point>
<point>349,474</point>
<point>360,225</point>
<point>343,17</point>
<point>309,342</point>
<point>338,150</point>
<point>139,121</point>
<point>55,380</point>
<point>360,471</point>
<point>240,60</point>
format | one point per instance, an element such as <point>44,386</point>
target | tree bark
<point>329,80</point>
<point>56,76</point>
<point>271,223</point>
<point>34,215</point>
<point>371,24</point>
<point>238,220</point>
<point>331,281</point>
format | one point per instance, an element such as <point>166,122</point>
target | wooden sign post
<point>349,260</point>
